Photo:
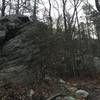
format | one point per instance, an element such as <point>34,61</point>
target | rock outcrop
<point>10,24</point>
<point>23,56</point>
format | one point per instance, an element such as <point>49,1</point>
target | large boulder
<point>10,24</point>
<point>17,19</point>
<point>23,56</point>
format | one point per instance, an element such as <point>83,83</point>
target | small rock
<point>62,81</point>
<point>81,94</point>
<point>48,78</point>
<point>30,93</point>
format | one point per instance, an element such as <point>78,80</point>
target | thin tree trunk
<point>3,8</point>
<point>17,8</point>
<point>97,5</point>
<point>64,14</point>
<point>35,10</point>
<point>50,18</point>
<point>10,6</point>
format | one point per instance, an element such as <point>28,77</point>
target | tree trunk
<point>3,8</point>
<point>35,10</point>
<point>97,5</point>
<point>64,15</point>
<point>10,6</point>
<point>17,8</point>
<point>50,18</point>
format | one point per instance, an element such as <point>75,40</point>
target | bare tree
<point>35,9</point>
<point>97,5</point>
<point>50,17</point>
<point>64,14</point>
<point>3,8</point>
<point>59,23</point>
<point>17,7</point>
<point>10,6</point>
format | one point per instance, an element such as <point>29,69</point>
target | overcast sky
<point>69,5</point>
<point>54,12</point>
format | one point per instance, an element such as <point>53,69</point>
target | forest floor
<point>92,86</point>
<point>45,89</point>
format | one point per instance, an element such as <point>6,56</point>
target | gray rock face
<point>14,18</point>
<point>22,56</point>
<point>11,23</point>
